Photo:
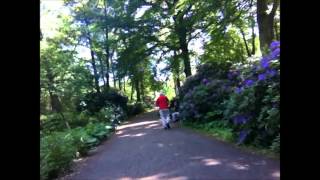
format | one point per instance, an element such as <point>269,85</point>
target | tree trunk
<point>178,83</point>
<point>132,90</point>
<point>102,71</point>
<point>138,91</point>
<point>93,62</point>
<point>54,99</point>
<point>124,84</point>
<point>107,44</point>
<point>265,23</point>
<point>176,71</point>
<point>276,31</point>
<point>245,42</point>
<point>65,120</point>
<point>253,37</point>
<point>186,60</point>
<point>56,105</point>
<point>55,102</point>
<point>41,36</point>
<point>113,70</point>
<point>119,82</point>
<point>114,79</point>
<point>181,31</point>
<point>142,90</point>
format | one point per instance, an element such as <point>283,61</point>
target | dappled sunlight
<point>276,174</point>
<point>178,178</point>
<point>78,160</point>
<point>133,135</point>
<point>160,145</point>
<point>140,134</point>
<point>152,125</point>
<point>239,166</point>
<point>136,124</point>
<point>260,163</point>
<point>119,132</point>
<point>125,178</point>
<point>156,177</point>
<point>211,162</point>
<point>197,157</point>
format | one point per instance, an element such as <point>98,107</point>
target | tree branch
<point>274,8</point>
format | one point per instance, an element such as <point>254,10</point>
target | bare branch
<point>274,8</point>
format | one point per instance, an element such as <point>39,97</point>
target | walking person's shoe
<point>168,126</point>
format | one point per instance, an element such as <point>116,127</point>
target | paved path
<point>141,149</point>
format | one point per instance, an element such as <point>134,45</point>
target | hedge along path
<point>141,149</point>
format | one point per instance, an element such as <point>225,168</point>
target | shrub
<point>94,102</point>
<point>52,122</point>
<point>203,102</point>
<point>135,109</point>
<point>79,120</point>
<point>59,148</point>
<point>254,105</point>
<point>245,97</point>
<point>276,144</point>
<point>56,153</point>
<point>209,71</point>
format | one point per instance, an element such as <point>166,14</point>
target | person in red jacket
<point>163,104</point>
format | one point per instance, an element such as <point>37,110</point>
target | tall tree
<point>266,22</point>
<point>107,49</point>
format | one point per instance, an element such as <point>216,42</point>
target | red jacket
<point>162,102</point>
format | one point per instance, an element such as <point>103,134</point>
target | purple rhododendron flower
<point>240,119</point>
<point>271,72</point>
<point>205,81</point>
<point>249,82</point>
<point>265,62</point>
<point>274,45</point>
<point>275,54</point>
<point>230,75</point>
<point>238,90</point>
<point>261,77</point>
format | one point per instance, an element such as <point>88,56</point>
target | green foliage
<point>59,148</point>
<point>169,92</point>
<point>207,98</point>
<point>246,100</point>
<point>94,102</point>
<point>56,153</point>
<point>202,94</point>
<point>259,104</point>
<point>225,48</point>
<point>218,129</point>
<point>212,70</point>
<point>78,119</point>
<point>135,109</point>
<point>97,130</point>
<point>52,122</point>
<point>275,147</point>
